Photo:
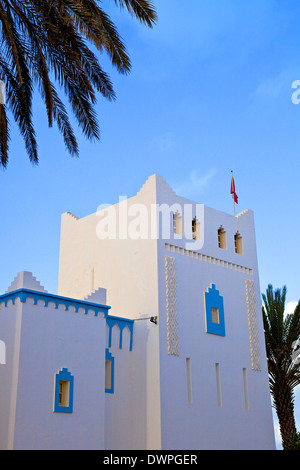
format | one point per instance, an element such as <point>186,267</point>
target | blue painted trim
<point>24,294</point>
<point>214,299</point>
<point>122,323</point>
<point>109,357</point>
<point>63,374</point>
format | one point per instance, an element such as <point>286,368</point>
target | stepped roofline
<point>153,182</point>
<point>26,280</point>
<point>23,294</point>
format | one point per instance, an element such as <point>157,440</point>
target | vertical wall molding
<point>171,306</point>
<point>252,325</point>
<point>218,379</point>
<point>246,393</point>
<point>189,380</point>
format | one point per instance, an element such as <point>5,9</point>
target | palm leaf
<point>4,136</point>
<point>45,43</point>
<point>281,331</point>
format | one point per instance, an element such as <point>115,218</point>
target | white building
<point>173,358</point>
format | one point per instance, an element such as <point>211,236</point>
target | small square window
<point>214,312</point>
<point>215,315</point>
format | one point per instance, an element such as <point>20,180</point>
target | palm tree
<point>282,333</point>
<point>43,42</point>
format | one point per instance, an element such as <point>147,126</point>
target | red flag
<point>232,190</point>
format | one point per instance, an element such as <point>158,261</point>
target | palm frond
<point>141,9</point>
<point>45,43</point>
<point>4,136</point>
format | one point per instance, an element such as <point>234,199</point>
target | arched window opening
<point>177,223</point>
<point>195,229</point>
<point>222,238</point>
<point>238,243</point>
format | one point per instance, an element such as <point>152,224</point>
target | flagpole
<point>233,197</point>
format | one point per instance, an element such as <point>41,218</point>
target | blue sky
<point>209,92</point>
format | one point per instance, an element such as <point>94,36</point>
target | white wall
<point>49,340</point>
<point>127,268</point>
<point>203,424</point>
<point>230,426</point>
<point>10,327</point>
<point>125,409</point>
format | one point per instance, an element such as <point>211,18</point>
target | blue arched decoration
<point>214,300</point>
<point>122,323</point>
<point>24,294</point>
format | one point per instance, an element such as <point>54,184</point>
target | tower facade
<point>200,366</point>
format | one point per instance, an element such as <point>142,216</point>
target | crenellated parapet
<point>24,294</point>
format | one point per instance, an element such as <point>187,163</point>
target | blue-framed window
<point>63,391</point>
<point>214,312</point>
<point>109,372</point>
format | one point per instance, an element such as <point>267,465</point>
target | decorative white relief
<point>252,325</point>
<point>208,259</point>
<point>171,306</point>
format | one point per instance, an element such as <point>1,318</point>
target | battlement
<point>242,213</point>
<point>26,280</point>
<point>94,304</point>
<point>152,183</point>
<point>72,215</point>
<point>51,299</point>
